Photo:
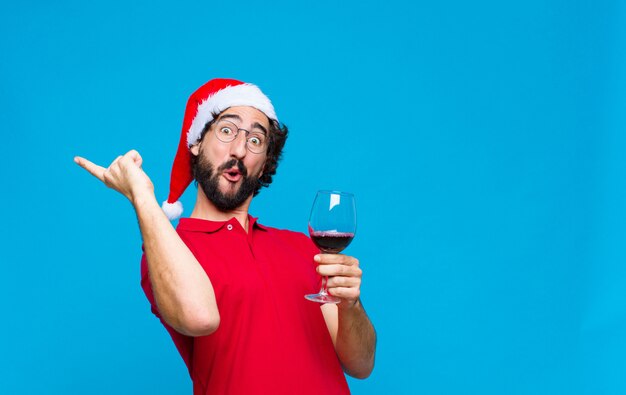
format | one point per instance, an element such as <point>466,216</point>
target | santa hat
<point>211,98</point>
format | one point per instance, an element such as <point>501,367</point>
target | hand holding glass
<point>332,225</point>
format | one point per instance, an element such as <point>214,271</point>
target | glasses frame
<point>237,130</point>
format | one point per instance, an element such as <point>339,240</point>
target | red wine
<point>332,242</point>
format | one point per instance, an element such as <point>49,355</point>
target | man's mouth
<point>232,174</point>
<point>233,170</point>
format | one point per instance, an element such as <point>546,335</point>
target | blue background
<point>485,142</point>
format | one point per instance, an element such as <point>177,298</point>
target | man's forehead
<point>255,117</point>
<point>245,111</point>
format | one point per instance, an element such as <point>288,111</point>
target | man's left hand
<point>344,277</point>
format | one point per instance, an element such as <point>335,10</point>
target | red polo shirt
<point>270,340</point>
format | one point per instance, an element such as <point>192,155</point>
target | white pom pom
<point>172,210</point>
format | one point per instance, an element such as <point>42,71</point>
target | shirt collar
<point>254,223</point>
<point>206,226</point>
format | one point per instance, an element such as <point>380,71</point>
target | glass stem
<point>324,291</point>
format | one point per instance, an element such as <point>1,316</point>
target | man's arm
<point>352,332</point>
<point>182,290</point>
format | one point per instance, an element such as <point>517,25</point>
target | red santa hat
<point>211,98</point>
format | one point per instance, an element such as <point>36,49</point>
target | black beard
<point>209,182</point>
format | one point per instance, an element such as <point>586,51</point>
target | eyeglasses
<point>226,132</point>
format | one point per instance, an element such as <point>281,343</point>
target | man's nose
<point>238,147</point>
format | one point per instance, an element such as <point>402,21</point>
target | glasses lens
<point>225,131</point>
<point>257,141</point>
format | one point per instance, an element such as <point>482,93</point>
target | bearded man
<point>229,290</point>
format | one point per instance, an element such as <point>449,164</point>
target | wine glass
<point>332,225</point>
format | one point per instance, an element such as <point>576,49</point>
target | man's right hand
<point>124,175</point>
<point>182,290</point>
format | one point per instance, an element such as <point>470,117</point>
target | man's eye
<point>226,130</point>
<point>255,141</point>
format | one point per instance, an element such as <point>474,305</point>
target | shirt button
<point>229,227</point>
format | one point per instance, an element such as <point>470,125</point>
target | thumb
<point>92,168</point>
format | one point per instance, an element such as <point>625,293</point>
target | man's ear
<point>195,149</point>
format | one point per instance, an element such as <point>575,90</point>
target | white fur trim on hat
<point>238,95</point>
<point>172,210</point>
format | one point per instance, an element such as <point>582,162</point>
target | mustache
<point>229,165</point>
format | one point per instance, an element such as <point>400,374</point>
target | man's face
<point>228,172</point>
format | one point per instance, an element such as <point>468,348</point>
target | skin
<point>183,291</point>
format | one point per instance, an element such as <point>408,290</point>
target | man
<point>228,289</point>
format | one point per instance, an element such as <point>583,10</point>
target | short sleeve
<point>183,343</point>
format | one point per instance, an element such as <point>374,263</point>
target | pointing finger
<point>95,170</point>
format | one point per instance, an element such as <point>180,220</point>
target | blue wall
<point>485,142</point>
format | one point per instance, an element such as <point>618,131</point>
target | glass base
<point>322,298</point>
